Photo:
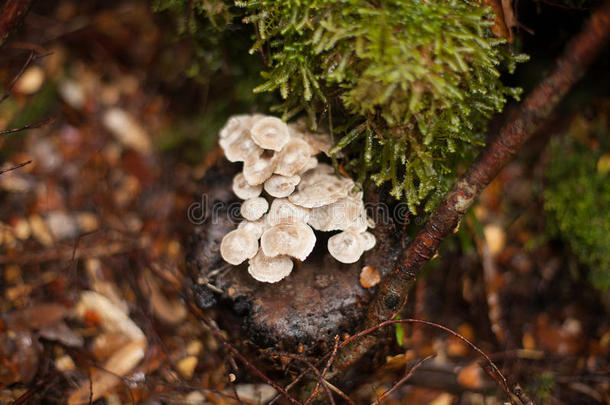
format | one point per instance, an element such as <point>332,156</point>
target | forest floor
<point>94,229</point>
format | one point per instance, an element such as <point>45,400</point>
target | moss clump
<point>413,82</point>
<point>406,86</point>
<point>577,194</point>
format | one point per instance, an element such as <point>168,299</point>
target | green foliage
<point>577,194</point>
<point>542,385</point>
<point>415,81</point>
<point>407,85</point>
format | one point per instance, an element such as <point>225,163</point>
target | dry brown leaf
<point>369,277</point>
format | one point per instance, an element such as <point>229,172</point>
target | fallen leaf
<point>369,277</point>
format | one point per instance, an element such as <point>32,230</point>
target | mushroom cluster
<point>300,195</point>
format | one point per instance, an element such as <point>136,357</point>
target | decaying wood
<point>570,67</point>
<point>320,299</point>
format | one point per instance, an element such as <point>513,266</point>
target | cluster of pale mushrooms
<point>279,158</point>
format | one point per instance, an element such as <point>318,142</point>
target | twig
<point>522,395</point>
<point>216,331</point>
<point>570,67</point>
<point>502,380</point>
<point>331,358</point>
<point>339,392</point>
<point>321,381</point>
<point>10,169</point>
<point>7,93</point>
<point>402,380</point>
<point>28,126</point>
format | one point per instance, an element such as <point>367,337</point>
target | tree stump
<point>303,312</point>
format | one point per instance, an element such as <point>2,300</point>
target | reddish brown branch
<point>10,169</point>
<point>401,381</point>
<point>211,325</point>
<point>28,126</point>
<point>12,14</point>
<point>570,67</point>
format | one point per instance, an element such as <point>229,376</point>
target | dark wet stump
<point>320,299</point>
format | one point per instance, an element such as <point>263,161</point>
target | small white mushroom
<point>254,227</point>
<point>269,269</point>
<point>281,186</point>
<point>321,190</point>
<point>254,208</point>
<point>318,142</point>
<point>312,162</point>
<point>239,147</point>
<point>293,157</point>
<point>283,211</point>
<point>311,176</point>
<point>259,168</point>
<point>270,133</point>
<point>235,126</point>
<point>293,239</point>
<point>237,246</point>
<point>336,216</point>
<point>346,247</point>
<point>243,190</point>
<point>367,240</point>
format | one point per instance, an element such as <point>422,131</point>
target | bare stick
<point>28,126</point>
<point>401,381</point>
<point>10,169</point>
<point>216,331</point>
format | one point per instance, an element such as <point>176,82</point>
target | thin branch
<point>28,126</point>
<point>326,368</point>
<point>10,169</point>
<point>216,331</point>
<point>496,371</point>
<point>402,380</point>
<point>570,67</point>
<point>7,93</point>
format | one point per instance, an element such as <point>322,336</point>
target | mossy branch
<point>570,67</point>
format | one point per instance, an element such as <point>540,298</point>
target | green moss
<point>577,194</point>
<point>412,82</point>
<point>406,86</point>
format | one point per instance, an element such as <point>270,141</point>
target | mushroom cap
<point>336,216</point>
<point>345,246</point>
<point>259,168</point>
<point>312,162</point>
<point>281,186</point>
<point>294,157</point>
<point>282,211</point>
<point>254,227</point>
<point>317,142</point>
<point>254,208</point>
<point>367,240</point>
<point>293,239</point>
<point>237,246</point>
<point>243,190</point>
<point>239,147</point>
<point>269,269</point>
<point>235,125</point>
<point>320,190</point>
<point>270,133</point>
<point>310,176</point>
